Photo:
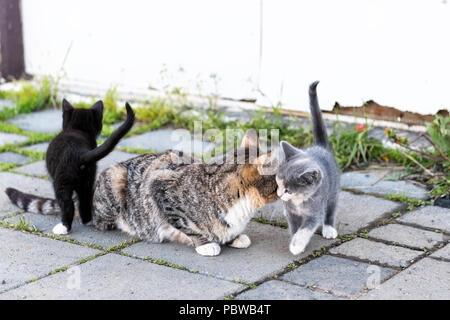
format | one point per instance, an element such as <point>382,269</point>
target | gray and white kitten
<point>308,183</point>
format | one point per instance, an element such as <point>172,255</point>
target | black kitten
<point>71,162</point>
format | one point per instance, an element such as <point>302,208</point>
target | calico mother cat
<point>71,162</point>
<point>308,183</point>
<point>167,197</point>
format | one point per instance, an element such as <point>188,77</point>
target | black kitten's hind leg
<point>85,195</point>
<point>64,197</point>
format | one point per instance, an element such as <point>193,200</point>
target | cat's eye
<point>287,191</point>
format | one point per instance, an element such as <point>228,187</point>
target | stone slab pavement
<point>378,255</point>
<point>11,138</point>
<point>164,139</point>
<point>48,121</point>
<point>114,276</point>
<point>28,256</point>
<point>384,262</point>
<point>369,182</point>
<point>12,157</point>
<point>39,168</point>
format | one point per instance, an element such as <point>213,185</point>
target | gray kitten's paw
<point>328,232</point>
<point>209,249</point>
<point>299,241</point>
<point>242,241</point>
<point>297,248</point>
<point>60,229</point>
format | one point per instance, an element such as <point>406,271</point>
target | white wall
<point>394,52</point>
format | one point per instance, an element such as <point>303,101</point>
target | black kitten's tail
<point>319,128</point>
<point>108,146</point>
<point>32,203</point>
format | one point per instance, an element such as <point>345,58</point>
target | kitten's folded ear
<point>66,106</point>
<point>250,139</point>
<point>98,107</point>
<point>288,151</point>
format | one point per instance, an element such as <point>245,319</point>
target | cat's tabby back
<point>167,197</point>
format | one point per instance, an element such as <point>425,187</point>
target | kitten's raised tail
<point>106,147</point>
<point>319,128</point>
<point>32,203</point>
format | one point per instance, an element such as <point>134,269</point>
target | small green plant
<point>30,97</point>
<point>396,214</point>
<point>439,131</point>
<point>354,147</point>
<point>410,201</point>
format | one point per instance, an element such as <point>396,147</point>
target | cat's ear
<point>250,139</point>
<point>288,151</point>
<point>66,106</point>
<point>98,107</point>
<point>310,177</point>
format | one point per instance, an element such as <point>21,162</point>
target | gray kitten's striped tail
<point>32,203</point>
<point>319,128</point>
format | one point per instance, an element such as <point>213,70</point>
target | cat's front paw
<point>299,241</point>
<point>328,232</point>
<point>209,249</point>
<point>60,229</point>
<point>297,248</point>
<point>242,241</point>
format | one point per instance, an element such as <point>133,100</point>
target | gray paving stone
<point>6,103</point>
<point>364,181</point>
<point>279,290</point>
<point>443,253</point>
<point>429,216</point>
<point>268,253</point>
<point>48,121</point>
<point>11,138</point>
<point>114,276</point>
<point>37,169</point>
<point>12,157</point>
<point>113,158</point>
<point>339,276</point>
<point>377,252</point>
<point>40,147</point>
<point>352,211</point>
<point>22,183</point>
<point>272,211</point>
<point>80,232</point>
<point>427,279</point>
<point>164,139</point>
<point>409,236</point>
<point>26,256</point>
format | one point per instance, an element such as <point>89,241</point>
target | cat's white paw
<point>242,241</point>
<point>209,249</point>
<point>297,248</point>
<point>328,232</point>
<point>299,241</point>
<point>60,229</point>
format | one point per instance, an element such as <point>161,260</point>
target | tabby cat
<point>167,197</point>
